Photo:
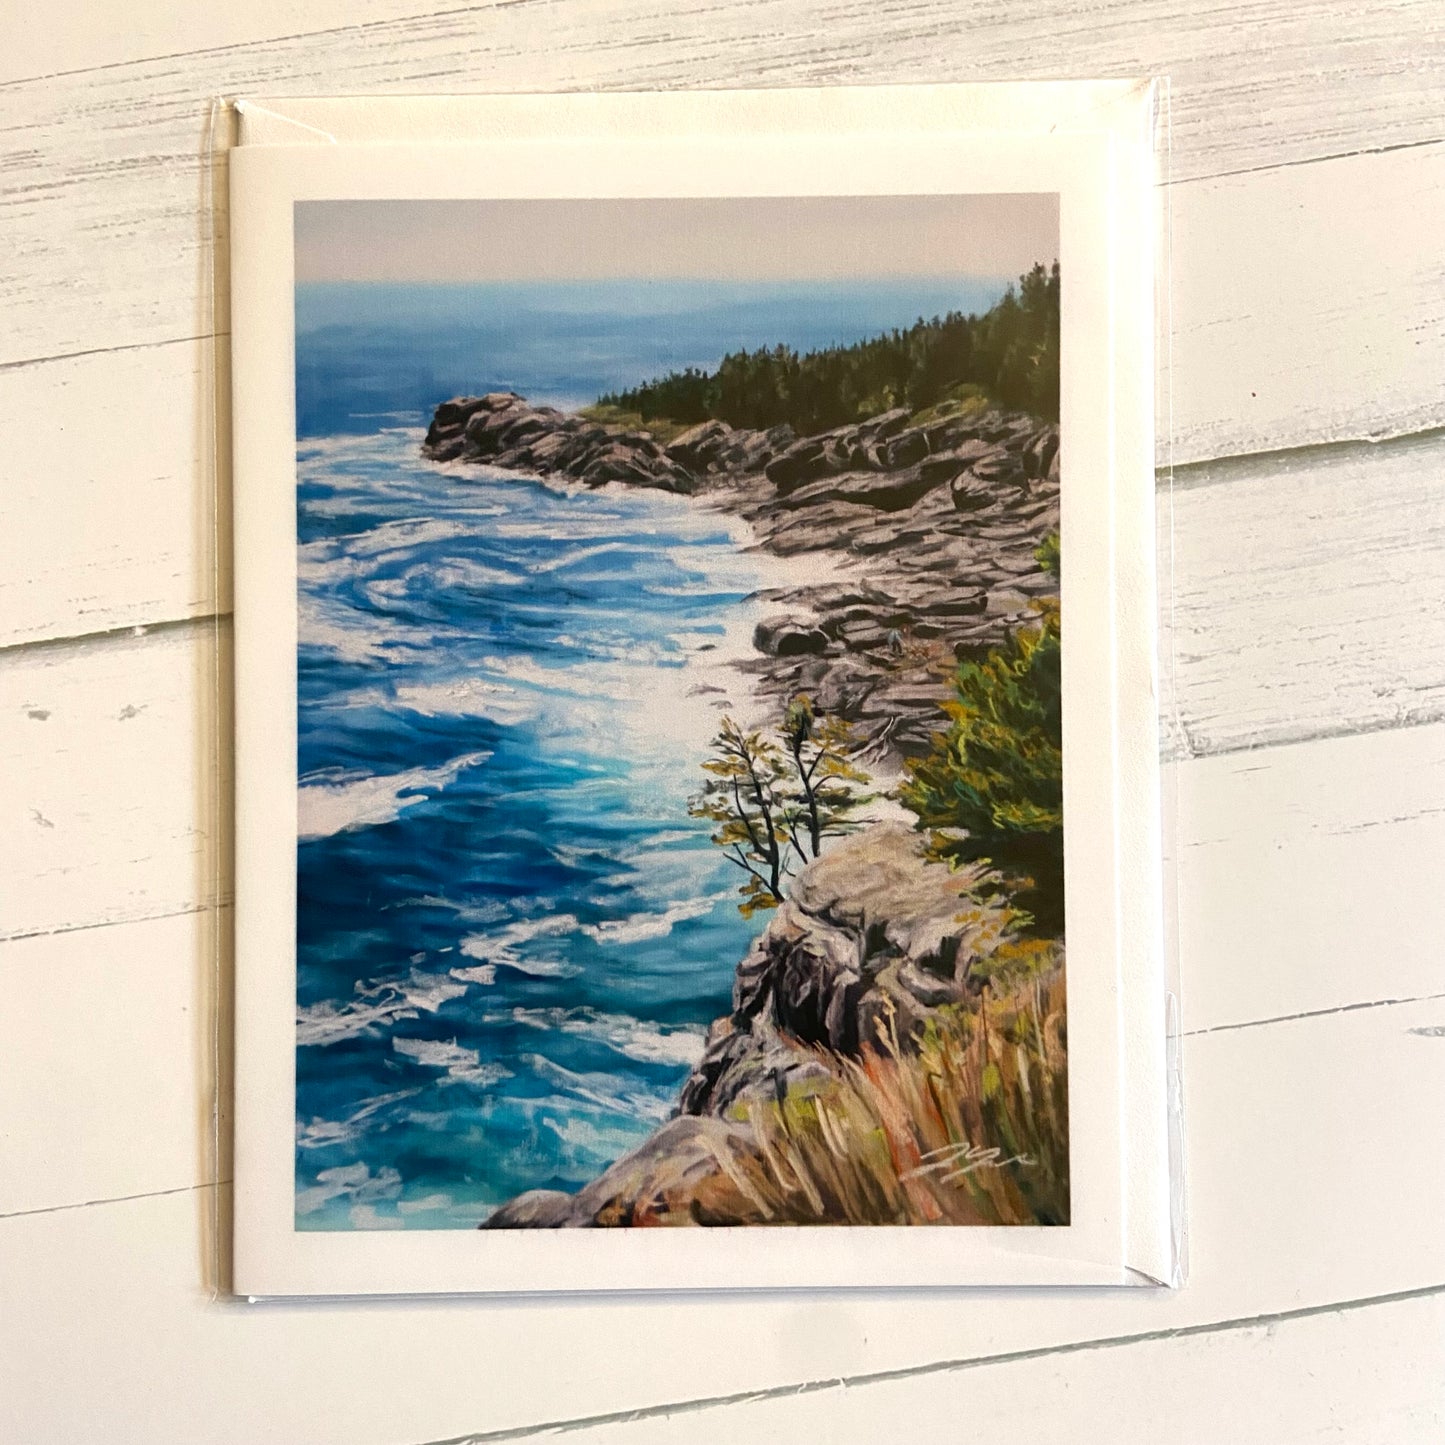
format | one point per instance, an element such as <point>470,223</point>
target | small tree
<point>827,787</point>
<point>743,797</point>
<point>774,805</point>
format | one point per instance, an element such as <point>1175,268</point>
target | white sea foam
<point>642,926</point>
<point>400,535</point>
<point>337,801</point>
<point>592,1142</point>
<point>602,1091</point>
<point>484,974</point>
<point>586,554</point>
<point>366,1216</point>
<point>374,1007</point>
<point>647,1043</point>
<point>426,1205</point>
<point>502,945</point>
<point>593,680</point>
<point>472,697</point>
<point>461,1064</point>
<point>355,1182</point>
<point>436,1054</point>
<point>319,1133</point>
<point>328,622</point>
<point>464,572</point>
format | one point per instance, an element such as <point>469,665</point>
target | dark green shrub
<point>991,786</point>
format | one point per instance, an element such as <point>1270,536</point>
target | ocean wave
<point>639,926</point>
<point>484,974</point>
<point>597,1144</point>
<point>354,1182</point>
<point>586,554</point>
<point>469,697</point>
<point>637,1039</point>
<point>336,800</point>
<point>427,1204</point>
<point>374,1007</point>
<point>461,1063</point>
<point>323,1133</point>
<point>605,1092</point>
<point>501,947</point>
<point>367,1216</point>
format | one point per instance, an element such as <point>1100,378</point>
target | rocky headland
<point>876,950</point>
<point>887,1057</point>
<point>933,526</point>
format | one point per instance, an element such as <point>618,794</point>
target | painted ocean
<point>511,936</point>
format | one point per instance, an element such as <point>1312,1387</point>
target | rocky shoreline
<point>937,522</point>
<point>931,530</point>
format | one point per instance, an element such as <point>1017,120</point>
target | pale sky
<point>773,238</point>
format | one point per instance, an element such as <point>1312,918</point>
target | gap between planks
<point>668,1411</point>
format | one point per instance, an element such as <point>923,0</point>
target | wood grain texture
<point>117,503</point>
<point>1275,1128</point>
<point>1305,588</point>
<point>1307,305</point>
<point>124,814</point>
<point>75,35</point>
<point>113,1051</point>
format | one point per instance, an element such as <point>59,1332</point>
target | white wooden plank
<point>1298,876</point>
<point>75,35</point>
<point>118,787</point>
<point>1367,1376</point>
<point>1300,1200</point>
<point>1307,304</point>
<point>106,1037</point>
<point>112,468</point>
<point>1269,846</point>
<point>112,162</point>
<point>109,518</point>
<point>1303,586</point>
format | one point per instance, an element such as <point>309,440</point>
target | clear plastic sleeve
<point>1102,148</point>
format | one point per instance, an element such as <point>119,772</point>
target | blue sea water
<point>511,936</point>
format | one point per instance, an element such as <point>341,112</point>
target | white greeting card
<point>696,759</point>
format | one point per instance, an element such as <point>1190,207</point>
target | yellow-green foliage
<point>773,805</point>
<point>659,428</point>
<point>965,400</point>
<point>971,1127</point>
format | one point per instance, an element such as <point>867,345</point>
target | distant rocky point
<point>934,524</point>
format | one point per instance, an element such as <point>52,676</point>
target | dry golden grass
<point>967,1126</point>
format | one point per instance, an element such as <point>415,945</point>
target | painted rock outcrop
<point>872,942</point>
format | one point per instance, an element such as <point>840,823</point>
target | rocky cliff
<point>876,951</point>
<point>930,529</point>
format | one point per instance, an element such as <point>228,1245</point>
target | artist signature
<point>954,1161</point>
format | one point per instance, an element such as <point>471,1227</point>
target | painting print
<point>679,762</point>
